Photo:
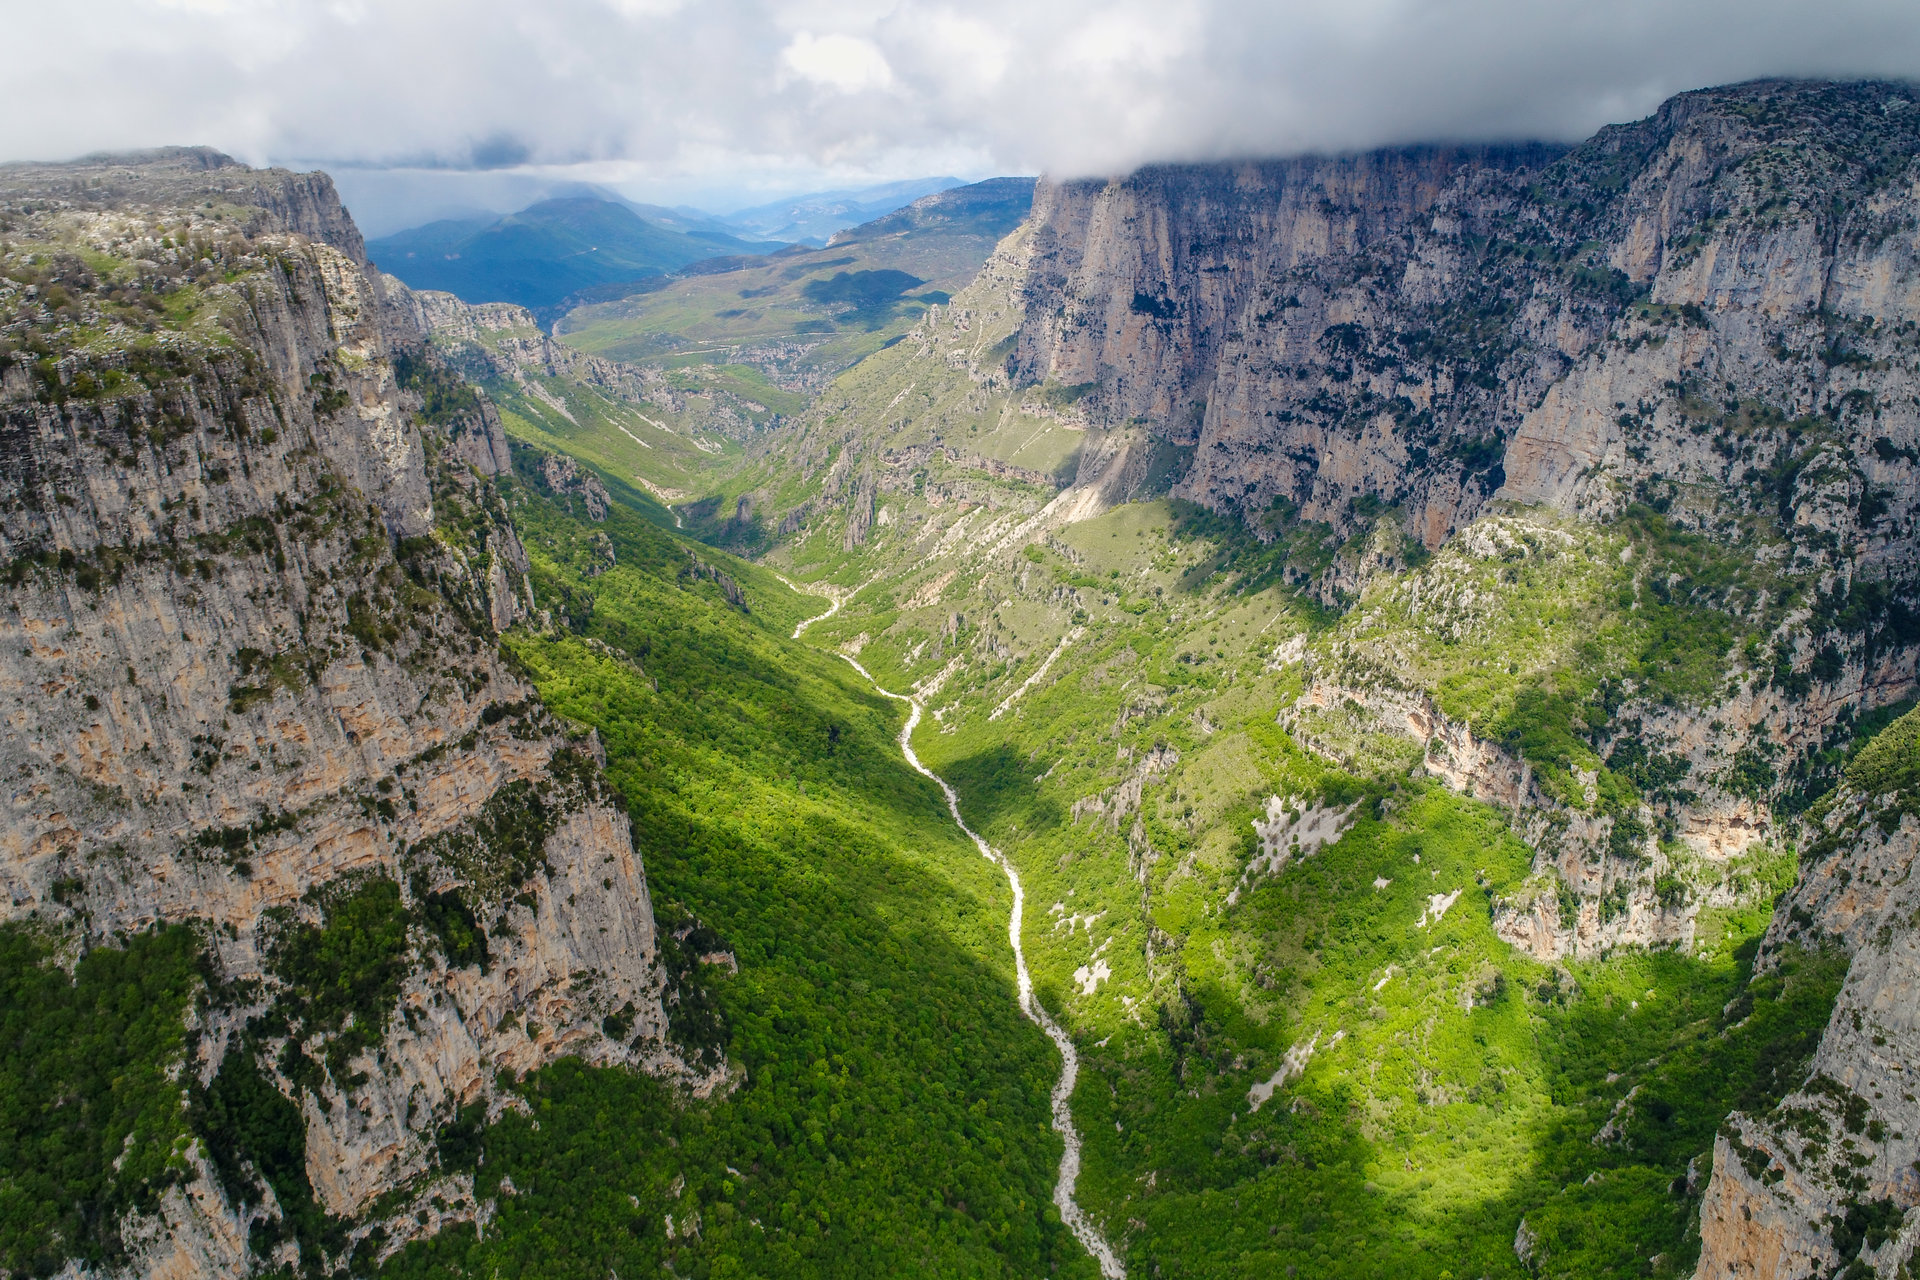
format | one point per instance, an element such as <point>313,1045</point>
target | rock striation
<point>256,564</point>
<point>1433,327</point>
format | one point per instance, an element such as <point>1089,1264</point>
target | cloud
<point>686,92</point>
<point>846,63</point>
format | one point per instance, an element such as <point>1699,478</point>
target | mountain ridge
<point>548,251</point>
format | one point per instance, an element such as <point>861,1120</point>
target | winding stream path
<point>1070,1211</point>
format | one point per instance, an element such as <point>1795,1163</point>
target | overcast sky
<point>731,102</point>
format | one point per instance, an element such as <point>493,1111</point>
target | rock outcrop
<point>489,340</point>
<point>1257,313</point>
<point>1826,1183</point>
<point>255,566</point>
<point>1706,317</point>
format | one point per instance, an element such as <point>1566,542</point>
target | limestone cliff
<point>1826,1182</point>
<point>255,566</point>
<point>1694,342</point>
<point>1286,318</point>
<point>496,343</point>
<point>1431,327</point>
<point>503,340</point>
<point>1708,315</point>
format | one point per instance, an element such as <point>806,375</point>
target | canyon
<point>1435,629</point>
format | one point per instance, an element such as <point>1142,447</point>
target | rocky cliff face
<point>503,340</point>
<point>1710,316</point>
<point>255,566</point>
<point>1286,319</point>
<point>1679,359</point>
<point>1825,1183</point>
<point>1432,327</point>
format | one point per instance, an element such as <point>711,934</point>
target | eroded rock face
<point>1713,313</point>
<point>1434,327</point>
<point>1585,896</point>
<point>1829,1175</point>
<point>250,668</point>
<point>504,340</point>
<point>1249,311</point>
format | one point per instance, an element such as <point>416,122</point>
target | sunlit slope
<point>831,935</point>
<point>932,434</point>
<point>802,315</point>
<point>1479,964</point>
<point>1112,714</point>
<point>1121,687</point>
<point>639,443</point>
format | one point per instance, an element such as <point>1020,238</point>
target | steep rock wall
<point>1249,311</point>
<point>1826,1182</point>
<point>504,340</point>
<point>250,670</point>
<point>1431,327</point>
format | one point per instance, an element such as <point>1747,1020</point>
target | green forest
<point>889,1108</point>
<point>886,1108</point>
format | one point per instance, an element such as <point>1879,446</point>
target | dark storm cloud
<point>661,90</point>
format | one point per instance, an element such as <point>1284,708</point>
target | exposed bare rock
<point>1118,803</point>
<point>1829,1175</point>
<point>1642,316</point>
<point>567,478</point>
<point>1243,309</point>
<point>490,340</point>
<point>860,512</point>
<point>267,201</point>
<point>729,589</point>
<point>1586,895</point>
<point>248,670</point>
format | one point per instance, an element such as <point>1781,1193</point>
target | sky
<point>434,105</point>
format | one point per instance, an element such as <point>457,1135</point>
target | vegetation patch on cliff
<point>92,1122</point>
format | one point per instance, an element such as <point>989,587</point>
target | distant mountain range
<point>552,249</point>
<point>804,313</point>
<point>813,219</point>
<point>584,243</point>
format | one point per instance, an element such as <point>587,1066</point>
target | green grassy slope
<point>1456,1084</point>
<point>645,445</point>
<point>889,1110</point>
<point>804,313</point>
<point>675,445</point>
<point>1456,1087</point>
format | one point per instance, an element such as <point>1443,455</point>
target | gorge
<point>1430,634</point>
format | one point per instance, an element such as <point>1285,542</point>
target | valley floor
<point>1336,1066</point>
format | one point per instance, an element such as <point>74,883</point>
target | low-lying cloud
<point>689,90</point>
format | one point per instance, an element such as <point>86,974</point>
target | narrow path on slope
<point>1070,1212</point>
